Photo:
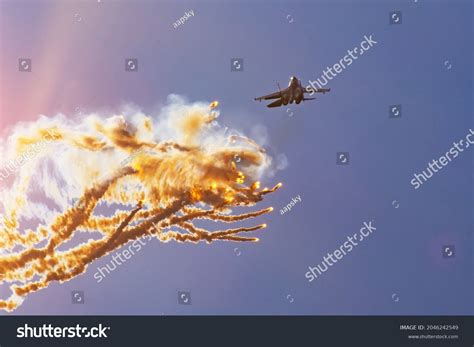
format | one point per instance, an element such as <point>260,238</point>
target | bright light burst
<point>160,175</point>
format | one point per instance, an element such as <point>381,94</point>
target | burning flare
<point>159,175</point>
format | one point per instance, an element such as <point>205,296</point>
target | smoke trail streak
<point>157,174</point>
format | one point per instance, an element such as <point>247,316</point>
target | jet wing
<point>275,95</point>
<point>318,90</point>
<point>276,103</point>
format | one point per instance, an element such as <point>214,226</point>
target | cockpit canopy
<point>293,80</point>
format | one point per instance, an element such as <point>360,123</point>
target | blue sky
<point>80,64</point>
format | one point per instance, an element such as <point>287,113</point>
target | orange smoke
<point>164,176</point>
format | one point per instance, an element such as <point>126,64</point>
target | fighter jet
<point>294,93</point>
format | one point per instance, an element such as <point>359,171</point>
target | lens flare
<point>158,176</point>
